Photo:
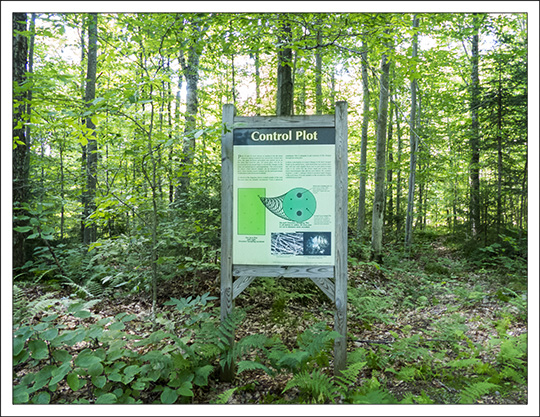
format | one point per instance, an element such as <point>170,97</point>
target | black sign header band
<point>285,136</point>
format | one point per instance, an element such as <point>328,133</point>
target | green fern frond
<point>224,397</point>
<point>19,303</point>
<point>252,365</point>
<point>68,281</point>
<point>513,375</point>
<point>473,392</point>
<point>318,386</point>
<point>463,363</point>
<point>40,305</point>
<point>293,360</point>
<point>348,376</point>
<point>373,396</point>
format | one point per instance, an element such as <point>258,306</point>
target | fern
<point>373,396</point>
<point>513,375</point>
<point>316,385</point>
<point>463,363</point>
<point>473,392</point>
<point>81,288</point>
<point>40,305</point>
<point>252,365</point>
<point>224,397</point>
<point>19,304</point>
<point>347,377</point>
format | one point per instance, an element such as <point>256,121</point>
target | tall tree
<point>20,143</point>
<point>377,223</point>
<point>190,68</point>
<point>474,141</point>
<point>285,87</point>
<point>318,75</point>
<point>413,144</point>
<point>363,145</point>
<point>90,229</point>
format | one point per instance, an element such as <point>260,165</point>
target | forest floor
<point>413,319</point>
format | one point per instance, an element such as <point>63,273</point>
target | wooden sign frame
<point>332,280</point>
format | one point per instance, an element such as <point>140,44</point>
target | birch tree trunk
<point>191,74</point>
<point>90,230</point>
<point>414,149</point>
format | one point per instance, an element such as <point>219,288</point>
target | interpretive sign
<point>283,198</point>
<point>284,207</point>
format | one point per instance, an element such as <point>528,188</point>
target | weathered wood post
<point>340,271</point>
<point>227,372</point>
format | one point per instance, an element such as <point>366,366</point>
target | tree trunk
<point>318,77</point>
<point>284,98</point>
<point>257,85</point>
<point>475,136</point>
<point>398,181</point>
<point>30,72</point>
<point>20,153</point>
<point>90,230</point>
<point>389,173</point>
<point>363,146</point>
<point>499,154</point>
<point>380,169</point>
<point>191,74</point>
<point>522,210</point>
<point>414,149</point>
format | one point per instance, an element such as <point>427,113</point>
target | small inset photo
<point>287,243</point>
<point>317,243</point>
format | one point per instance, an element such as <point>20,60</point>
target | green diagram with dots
<point>297,205</point>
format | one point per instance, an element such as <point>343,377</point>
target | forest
<point>116,208</point>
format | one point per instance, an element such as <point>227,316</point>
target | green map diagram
<point>297,204</point>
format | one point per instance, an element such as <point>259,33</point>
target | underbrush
<point>426,327</point>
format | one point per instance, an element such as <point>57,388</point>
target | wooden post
<point>227,372</point>
<point>340,320</point>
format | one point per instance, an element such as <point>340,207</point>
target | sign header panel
<point>284,196</point>
<point>285,136</point>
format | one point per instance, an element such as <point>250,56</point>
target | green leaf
<point>59,373</point>
<point>23,229</point>
<point>185,389</point>
<point>95,332</point>
<point>95,369</point>
<point>20,394</point>
<point>86,360</point>
<point>38,348</point>
<point>132,370</point>
<point>115,377</point>
<point>168,396</point>
<point>42,398</point>
<point>117,326</point>
<point>138,385</point>
<point>106,399</point>
<point>115,354</point>
<point>18,344</point>
<point>82,314</point>
<point>73,381</point>
<point>99,381</point>
<point>129,317</point>
<point>49,334</point>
